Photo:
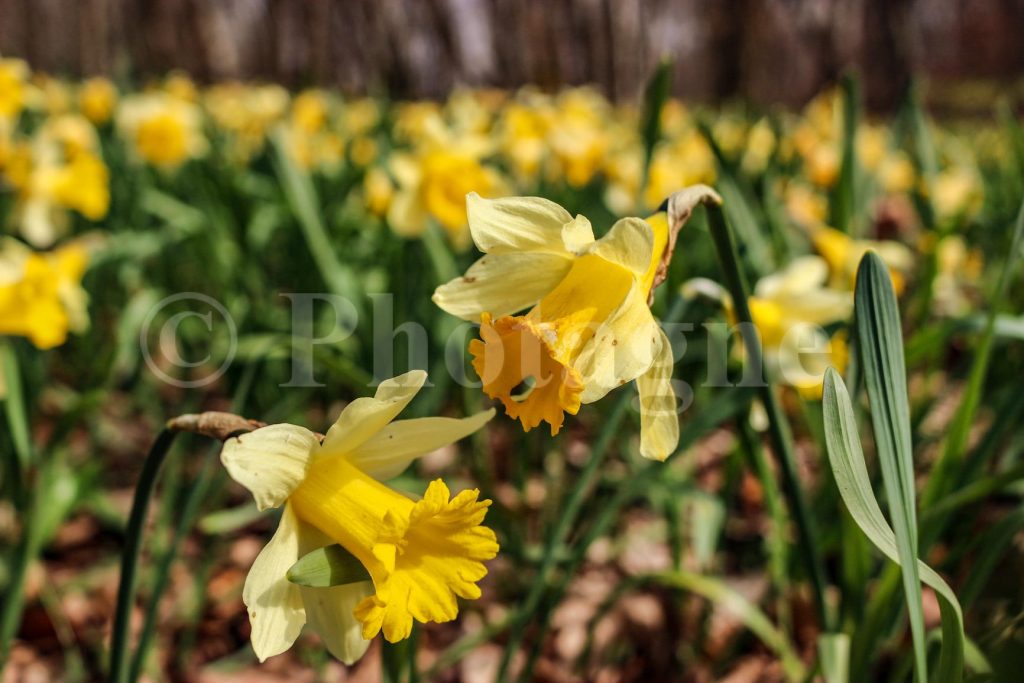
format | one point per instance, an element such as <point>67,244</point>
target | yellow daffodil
<point>378,190</point>
<point>361,116</point>
<point>958,276</point>
<point>472,111</point>
<point>41,297</point>
<point>522,133</point>
<point>245,114</point>
<point>730,133</point>
<point>309,111</point>
<point>872,146</point>
<point>180,86</point>
<point>896,174</point>
<point>49,95</point>
<point>97,99</point>
<point>164,130</point>
<point>957,193</point>
<point>420,554</point>
<point>412,120</point>
<point>73,133</point>
<point>790,310</point>
<point>843,254</point>
<point>589,328</point>
<point>760,146</point>
<point>84,185</point>
<point>808,207</point>
<point>363,151</point>
<point>62,171</point>
<point>433,181</point>
<point>304,149</point>
<point>13,75</point>
<point>680,162</point>
<point>578,135</point>
<point>822,165</point>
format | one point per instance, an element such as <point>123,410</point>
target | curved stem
<point>778,428</point>
<point>197,494</point>
<point>130,556</point>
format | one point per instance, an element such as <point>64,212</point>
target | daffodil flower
<point>13,77</point>
<point>165,130</point>
<point>433,179</point>
<point>843,254</point>
<point>41,296</point>
<point>790,309</point>
<point>420,555</point>
<point>590,328</point>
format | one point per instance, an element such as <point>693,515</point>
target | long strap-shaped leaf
<point>880,340</point>
<point>846,458</point>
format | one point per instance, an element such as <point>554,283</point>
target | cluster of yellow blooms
<point>418,160</point>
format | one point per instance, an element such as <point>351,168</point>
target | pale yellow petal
<point>329,612</point>
<point>577,234</point>
<point>629,244</point>
<point>516,224</point>
<point>407,215</point>
<point>271,461</point>
<point>803,275</point>
<point>820,307</point>
<point>659,421</point>
<point>276,612</point>
<point>364,417</point>
<point>621,350</point>
<point>387,453</point>
<point>405,169</point>
<point>502,284</point>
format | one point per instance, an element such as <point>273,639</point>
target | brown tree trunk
<point>766,50</point>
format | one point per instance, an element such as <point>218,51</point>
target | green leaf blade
<point>880,340</point>
<point>846,459</point>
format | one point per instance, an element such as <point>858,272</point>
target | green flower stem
<point>130,556</point>
<point>781,438</point>
<point>16,415</point>
<point>206,485</point>
<point>17,472</point>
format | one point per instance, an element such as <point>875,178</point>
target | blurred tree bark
<point>767,50</point>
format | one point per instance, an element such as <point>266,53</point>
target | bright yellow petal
<point>443,548</point>
<point>659,421</point>
<point>330,612</point>
<point>276,612</point>
<point>622,350</point>
<point>387,453</point>
<point>516,224</point>
<point>502,284</point>
<point>271,461</point>
<point>364,417</point>
<point>629,244</point>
